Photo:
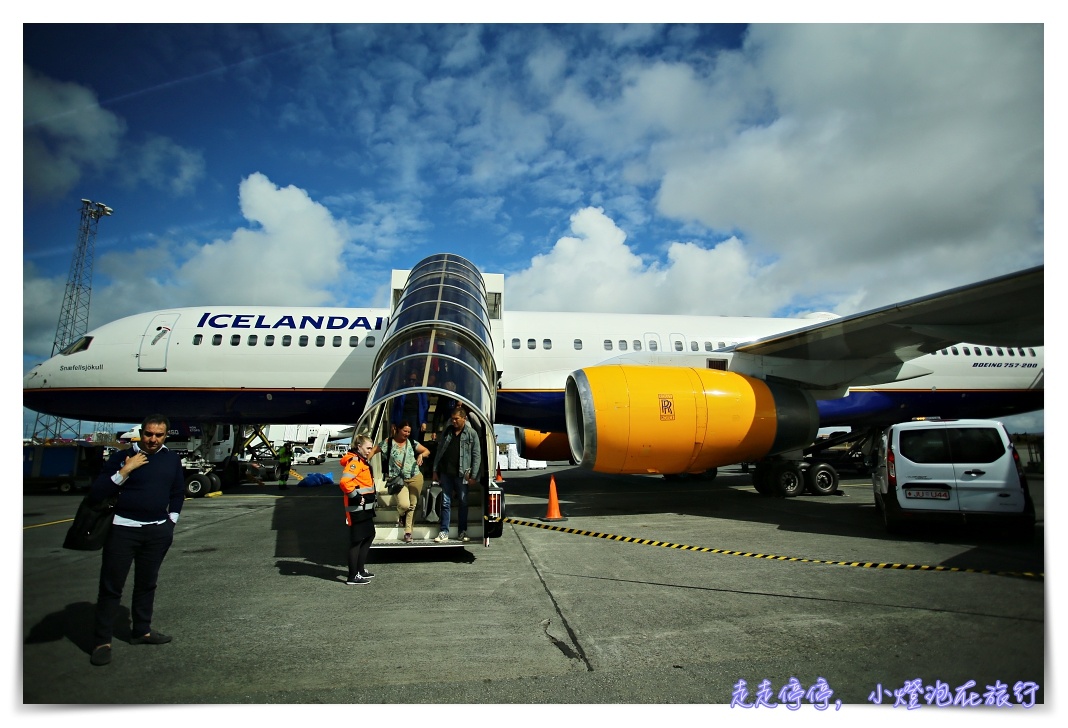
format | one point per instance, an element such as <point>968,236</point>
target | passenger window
<point>637,345</point>
<point>988,352</point>
<point>531,344</point>
<point>337,341</point>
<point>1012,353</point>
<point>967,351</point>
<point>369,342</point>
<point>678,345</point>
<point>1030,350</point>
<point>320,341</point>
<point>694,346</point>
<point>303,340</point>
<point>954,350</point>
<point>608,345</point>
<point>197,339</point>
<point>546,344</point>
<point>578,344</point>
<point>216,340</point>
<point>622,344</point>
<point>515,343</point>
<point>268,340</point>
<point>721,344</point>
<point>925,446</point>
<point>652,345</point>
<point>975,444</point>
<point>235,339</point>
<point>287,339</point>
<point>708,346</point>
<point>354,341</point>
<point>1000,352</point>
<point>252,339</point>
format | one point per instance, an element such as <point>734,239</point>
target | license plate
<point>928,494</point>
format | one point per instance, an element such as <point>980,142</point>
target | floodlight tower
<point>74,312</point>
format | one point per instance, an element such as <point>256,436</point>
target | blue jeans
<point>449,485</point>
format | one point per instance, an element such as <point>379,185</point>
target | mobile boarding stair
<point>440,330</point>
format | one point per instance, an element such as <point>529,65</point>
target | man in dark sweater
<point>151,487</point>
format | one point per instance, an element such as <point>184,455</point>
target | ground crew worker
<point>285,463</point>
<point>358,485</point>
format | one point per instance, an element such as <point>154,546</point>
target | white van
<point>961,470</point>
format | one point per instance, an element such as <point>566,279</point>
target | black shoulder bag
<point>396,483</point>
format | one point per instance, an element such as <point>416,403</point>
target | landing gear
<point>197,486</point>
<point>787,480</point>
<point>821,479</point>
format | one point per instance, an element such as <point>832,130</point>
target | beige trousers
<point>408,500</point>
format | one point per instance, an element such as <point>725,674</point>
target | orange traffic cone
<point>553,514</point>
<point>500,478</point>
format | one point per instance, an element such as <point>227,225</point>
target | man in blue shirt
<point>150,483</point>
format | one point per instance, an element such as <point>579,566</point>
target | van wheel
<point>66,486</point>
<point>821,479</point>
<point>786,480</point>
<point>313,461</point>
<point>890,523</point>
<point>197,486</point>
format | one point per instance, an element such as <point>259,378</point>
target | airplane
<point>618,393</point>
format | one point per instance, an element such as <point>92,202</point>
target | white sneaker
<point>463,536</point>
<point>442,537</point>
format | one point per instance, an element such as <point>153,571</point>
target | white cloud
<point>64,132</point>
<point>165,165</point>
<point>595,270</point>
<point>891,148</point>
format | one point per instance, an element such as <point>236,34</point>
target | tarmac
<point>651,592</point>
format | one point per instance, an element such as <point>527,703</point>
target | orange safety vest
<point>356,481</point>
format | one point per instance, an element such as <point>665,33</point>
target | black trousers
<point>361,534</point>
<point>143,547</point>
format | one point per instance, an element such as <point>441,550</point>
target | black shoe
<point>357,581</point>
<point>367,575</point>
<point>152,638</point>
<point>101,655</point>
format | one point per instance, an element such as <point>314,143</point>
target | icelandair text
<point>259,321</point>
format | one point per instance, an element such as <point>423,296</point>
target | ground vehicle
<point>303,456</point>
<point>69,467</point>
<point>336,449</point>
<point>960,470</point>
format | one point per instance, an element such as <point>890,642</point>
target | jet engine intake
<point>636,419</point>
<point>535,445</point>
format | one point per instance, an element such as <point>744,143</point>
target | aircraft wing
<point>874,347</point>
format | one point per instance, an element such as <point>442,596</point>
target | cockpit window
<point>80,345</point>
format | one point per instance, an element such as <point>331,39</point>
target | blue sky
<point>739,170</point>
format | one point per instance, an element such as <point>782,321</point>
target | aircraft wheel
<point>197,486</point>
<point>821,479</point>
<point>216,481</point>
<point>787,481</point>
<point>761,481</point>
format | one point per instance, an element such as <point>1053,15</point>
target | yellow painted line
<point>771,557</point>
